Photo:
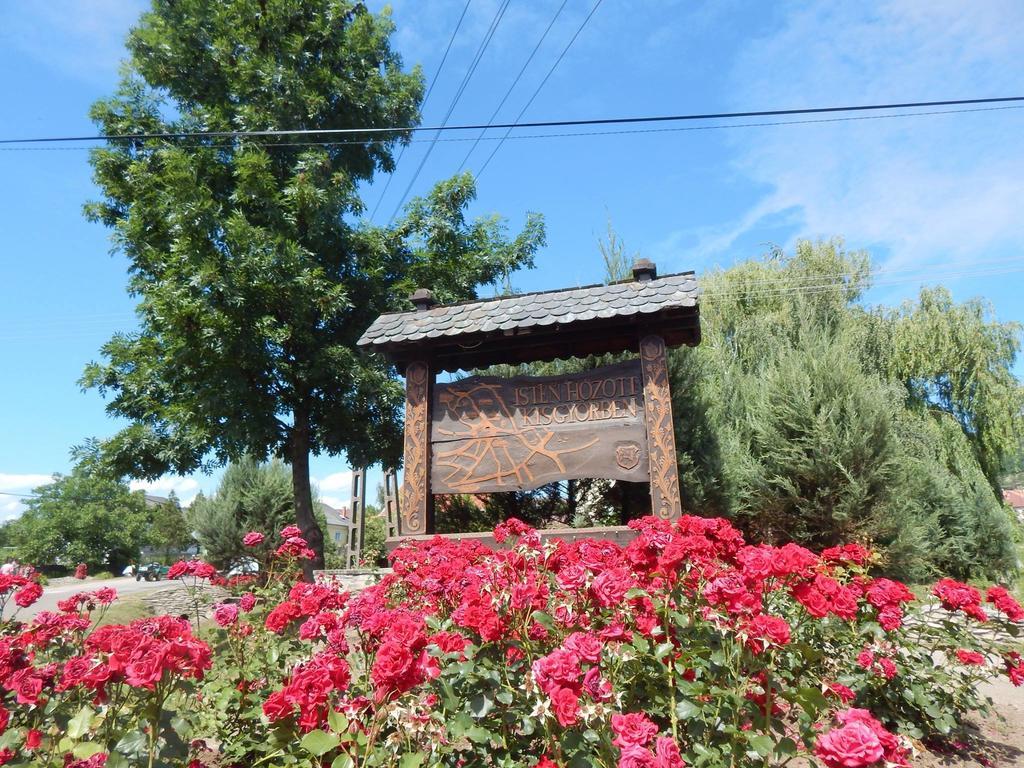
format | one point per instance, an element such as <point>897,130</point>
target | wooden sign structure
<point>486,434</point>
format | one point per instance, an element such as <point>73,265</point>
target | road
<point>125,586</point>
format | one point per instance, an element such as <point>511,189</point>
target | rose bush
<point>687,646</point>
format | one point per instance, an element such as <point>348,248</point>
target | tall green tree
<point>251,497</point>
<point>169,530</point>
<point>83,517</point>
<point>254,274</point>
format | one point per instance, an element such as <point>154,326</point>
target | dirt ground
<point>998,741</point>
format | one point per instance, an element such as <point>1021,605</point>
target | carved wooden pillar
<point>661,440</point>
<point>417,507</point>
<point>356,519</point>
<point>391,504</point>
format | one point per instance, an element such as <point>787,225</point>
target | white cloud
<point>81,38</point>
<point>335,502</point>
<point>13,506</point>
<point>10,508</point>
<point>945,187</point>
<point>337,481</point>
<point>14,482</point>
<point>185,488</point>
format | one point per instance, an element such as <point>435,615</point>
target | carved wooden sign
<point>492,434</point>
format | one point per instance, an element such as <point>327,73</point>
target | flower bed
<point>685,647</point>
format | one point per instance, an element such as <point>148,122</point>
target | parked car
<point>245,567</point>
<point>151,572</point>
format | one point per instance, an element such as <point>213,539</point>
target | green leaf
<point>133,744</point>
<point>337,721</point>
<point>412,760</point>
<point>527,726</point>
<point>544,619</point>
<point>663,650</point>
<point>478,735</point>
<point>78,725</point>
<point>480,705</point>
<point>686,709</point>
<point>762,744</point>
<point>342,761</point>
<point>786,746</point>
<point>87,749</point>
<point>319,743</point>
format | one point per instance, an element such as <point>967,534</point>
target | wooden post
<point>357,519</point>
<point>417,507</point>
<point>661,440</point>
<point>391,501</point>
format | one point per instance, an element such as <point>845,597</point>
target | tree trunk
<point>298,456</point>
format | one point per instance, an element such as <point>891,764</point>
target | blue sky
<point>933,198</point>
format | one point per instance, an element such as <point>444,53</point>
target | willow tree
<point>807,414</point>
<point>254,274</point>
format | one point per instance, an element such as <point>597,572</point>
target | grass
<point>124,610</point>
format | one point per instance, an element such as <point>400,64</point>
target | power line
<point>531,124</point>
<point>539,87</point>
<point>573,134</point>
<point>426,98</point>
<point>499,14</point>
<point>515,82</point>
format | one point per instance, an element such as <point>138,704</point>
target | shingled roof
<point>573,322</point>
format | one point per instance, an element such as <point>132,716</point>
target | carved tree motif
<point>415,493</point>
<point>661,441</point>
<point>490,446</point>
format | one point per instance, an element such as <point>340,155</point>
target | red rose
<point>290,531</point>
<point>957,596</point>
<point>278,707</point>
<point>851,746</point>
<point>841,692</point>
<point>28,594</point>
<point>794,560</point>
<point>566,705</point>
<point>559,669</point>
<point>586,645</point>
<point>610,587</point>
<point>1015,668</point>
<point>253,539</point>
<point>970,657</point>
<point>225,614</point>
<point>635,756</point>
<point>145,672</point>
<point>33,739</point>
<point>883,592</point>
<point>633,728</point>
<point>598,688</point>
<point>667,752</point>
<point>891,618</point>
<point>1004,601</point>
<point>764,631</point>
<point>756,563</point>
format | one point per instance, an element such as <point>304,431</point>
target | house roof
<point>1014,497</point>
<point>334,516</point>
<point>573,322</point>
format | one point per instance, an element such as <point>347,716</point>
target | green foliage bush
<point>807,415</point>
